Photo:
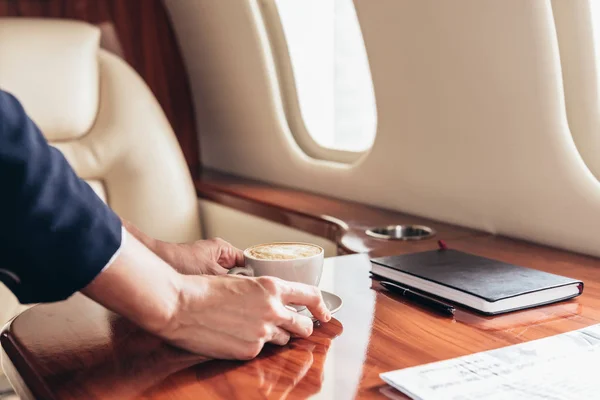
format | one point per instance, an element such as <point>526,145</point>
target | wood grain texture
<point>140,31</point>
<point>77,349</point>
<point>343,222</point>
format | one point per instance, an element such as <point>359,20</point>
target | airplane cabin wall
<point>472,127</point>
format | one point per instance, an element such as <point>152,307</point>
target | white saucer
<point>332,301</point>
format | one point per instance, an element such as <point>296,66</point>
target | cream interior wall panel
<point>472,126</point>
<point>244,230</point>
<point>579,61</point>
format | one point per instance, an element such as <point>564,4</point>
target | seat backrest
<point>94,108</point>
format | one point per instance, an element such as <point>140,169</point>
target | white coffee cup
<point>303,269</point>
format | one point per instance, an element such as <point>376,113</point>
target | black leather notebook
<point>485,285</point>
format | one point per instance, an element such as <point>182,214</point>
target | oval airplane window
<point>330,72</point>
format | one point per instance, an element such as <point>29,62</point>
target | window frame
<point>289,93</point>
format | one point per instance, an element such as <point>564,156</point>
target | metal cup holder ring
<point>401,232</point>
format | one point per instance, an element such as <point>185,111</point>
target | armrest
<point>343,222</point>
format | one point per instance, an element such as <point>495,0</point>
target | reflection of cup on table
<point>290,261</point>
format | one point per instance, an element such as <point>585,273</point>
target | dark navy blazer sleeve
<point>56,235</point>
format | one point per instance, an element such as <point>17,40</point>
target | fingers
<point>216,269</point>
<point>280,337</point>
<point>309,296</point>
<point>230,256</point>
<point>239,256</point>
<point>296,324</point>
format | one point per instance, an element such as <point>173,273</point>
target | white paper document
<point>561,367</point>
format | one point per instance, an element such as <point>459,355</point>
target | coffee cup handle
<point>245,271</point>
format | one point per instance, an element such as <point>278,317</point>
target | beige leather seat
<point>95,108</point>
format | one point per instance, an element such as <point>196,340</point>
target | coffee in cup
<point>283,251</point>
<point>290,261</point>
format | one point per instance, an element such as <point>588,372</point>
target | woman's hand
<point>203,257</point>
<point>206,257</point>
<point>232,317</point>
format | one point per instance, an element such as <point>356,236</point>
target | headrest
<point>51,66</point>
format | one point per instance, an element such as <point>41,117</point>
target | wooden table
<point>78,350</point>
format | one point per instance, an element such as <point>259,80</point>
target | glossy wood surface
<point>76,349</point>
<point>343,222</point>
<point>141,32</point>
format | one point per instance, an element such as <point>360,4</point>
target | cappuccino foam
<point>283,251</point>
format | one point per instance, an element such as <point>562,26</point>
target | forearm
<point>139,286</point>
<point>168,252</point>
<point>203,257</point>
